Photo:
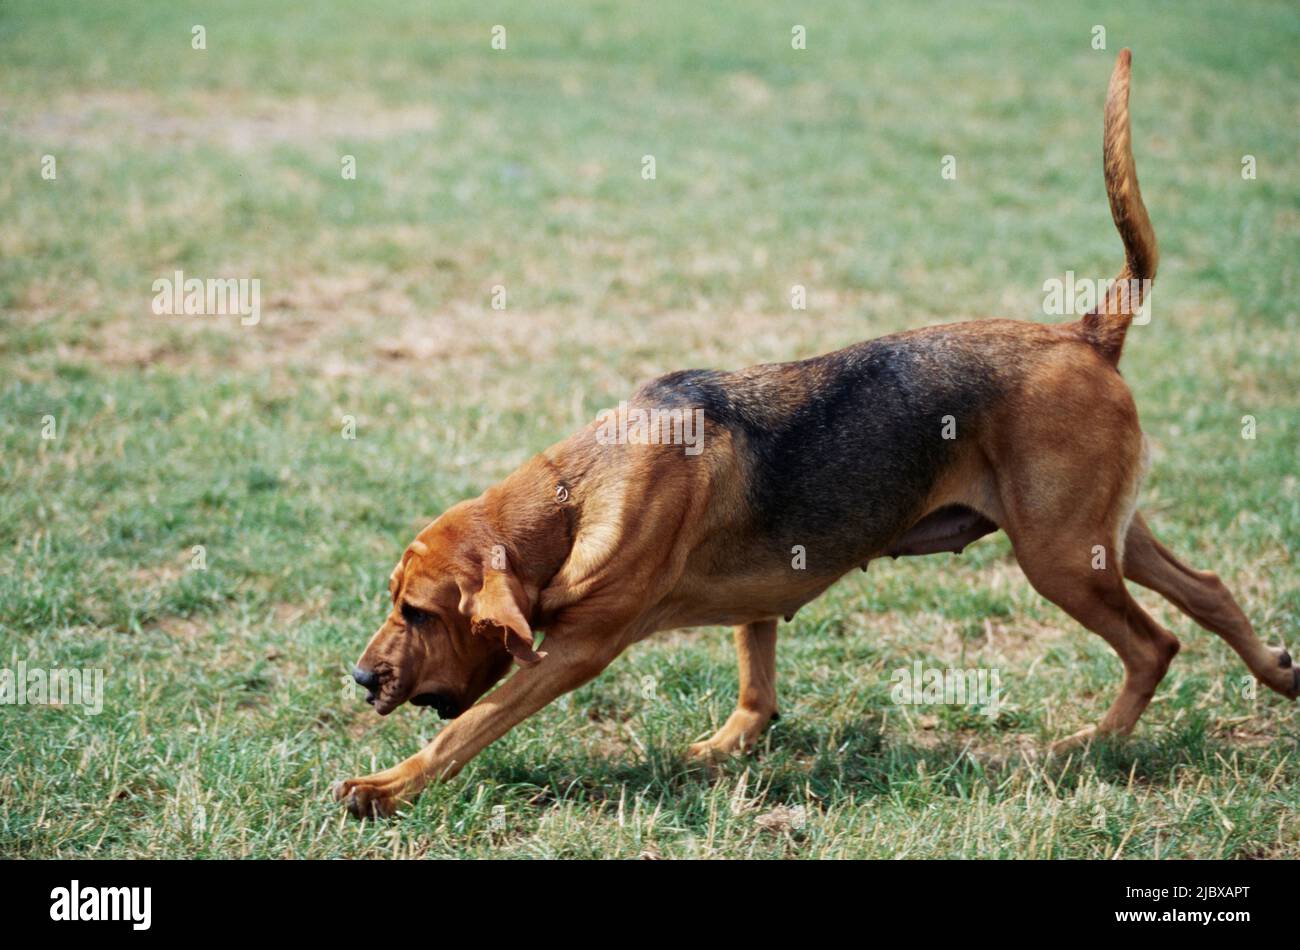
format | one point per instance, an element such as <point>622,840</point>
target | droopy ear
<point>497,610</point>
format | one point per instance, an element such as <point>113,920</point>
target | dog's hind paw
<point>1080,740</point>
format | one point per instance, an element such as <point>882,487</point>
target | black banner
<point>356,899</point>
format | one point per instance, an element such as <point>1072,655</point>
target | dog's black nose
<point>367,678</point>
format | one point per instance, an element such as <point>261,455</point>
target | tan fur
<point>1107,325</point>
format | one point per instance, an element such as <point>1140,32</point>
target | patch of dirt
<point>235,124</point>
<point>749,91</point>
<point>159,574</point>
<point>284,614</point>
<point>989,749</point>
<point>782,819</point>
<point>187,629</point>
<point>610,741</point>
<point>1246,730</point>
<point>1020,641</point>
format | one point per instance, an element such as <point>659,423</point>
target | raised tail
<point>1106,326</point>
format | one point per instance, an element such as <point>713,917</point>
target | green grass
<point>226,714</point>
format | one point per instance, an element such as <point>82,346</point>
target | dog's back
<point>843,450</point>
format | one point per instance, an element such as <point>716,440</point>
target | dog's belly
<point>780,590</point>
<point>728,601</point>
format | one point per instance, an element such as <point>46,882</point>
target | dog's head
<point>459,617</point>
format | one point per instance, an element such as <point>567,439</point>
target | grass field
<point>227,710</point>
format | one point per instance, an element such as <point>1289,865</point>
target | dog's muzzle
<point>368,679</point>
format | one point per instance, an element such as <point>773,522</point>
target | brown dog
<point>909,444</point>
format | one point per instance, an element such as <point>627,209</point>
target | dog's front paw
<point>375,796</point>
<point>1284,675</point>
<point>738,735</point>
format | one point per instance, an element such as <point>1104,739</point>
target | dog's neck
<point>527,513</point>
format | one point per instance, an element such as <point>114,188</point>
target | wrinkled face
<point>427,652</point>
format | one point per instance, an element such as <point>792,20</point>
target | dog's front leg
<point>571,660</point>
<point>756,705</point>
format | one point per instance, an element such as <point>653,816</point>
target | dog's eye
<point>414,616</point>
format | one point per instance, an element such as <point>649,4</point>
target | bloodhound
<point>913,443</point>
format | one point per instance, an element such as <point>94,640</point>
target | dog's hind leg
<point>1204,598</point>
<point>756,705</point>
<point>1097,598</point>
<point>1065,508</point>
